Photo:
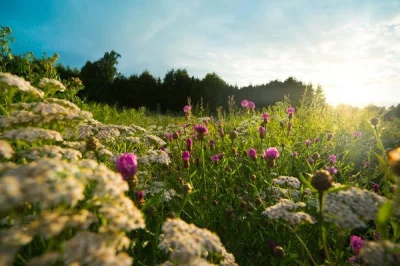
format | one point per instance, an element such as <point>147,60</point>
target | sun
<point>345,84</point>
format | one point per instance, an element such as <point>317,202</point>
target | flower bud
<point>322,180</point>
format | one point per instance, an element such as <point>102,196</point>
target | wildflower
<point>244,104</point>
<point>262,132</point>
<point>356,245</point>
<point>127,165</point>
<point>284,210</point>
<point>266,117</point>
<point>233,134</point>
<point>366,164</point>
<point>308,142</point>
<point>332,159</point>
<point>332,170</point>
<point>316,140</point>
<point>375,187</point>
<point>186,158</point>
<point>289,181</point>
<point>290,111</point>
<point>315,156</point>
<point>351,208</point>
<point>139,195</point>
<point>357,134</point>
<point>189,144</point>
<point>374,121</point>
<point>187,109</point>
<point>216,158</point>
<point>8,81</point>
<point>251,106</point>
<point>330,136</point>
<point>310,160</point>
<point>295,154</point>
<point>271,154</point>
<point>170,137</point>
<point>201,131</point>
<point>212,144</point>
<point>252,153</point>
<point>31,134</point>
<point>322,180</point>
<point>51,85</point>
<point>197,161</point>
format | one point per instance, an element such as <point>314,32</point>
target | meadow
<point>89,184</point>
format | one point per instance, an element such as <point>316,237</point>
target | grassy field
<point>95,185</point>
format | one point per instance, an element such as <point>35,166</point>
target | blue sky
<point>351,48</point>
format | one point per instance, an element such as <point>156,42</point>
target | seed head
<point>322,180</point>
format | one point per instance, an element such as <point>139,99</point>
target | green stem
<point>321,225</point>
<point>305,248</point>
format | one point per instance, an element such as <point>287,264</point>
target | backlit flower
<point>127,165</point>
<point>244,103</point>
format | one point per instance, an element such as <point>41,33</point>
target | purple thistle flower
<point>266,117</point>
<point>185,156</point>
<point>295,154</point>
<point>201,131</point>
<point>357,134</point>
<point>127,165</point>
<point>189,144</point>
<point>244,103</point>
<point>332,158</point>
<point>262,132</point>
<point>272,153</point>
<point>252,153</point>
<point>251,106</point>
<point>216,158</point>
<point>212,144</point>
<point>316,140</point>
<point>291,110</point>
<point>170,136</point>
<point>375,187</point>
<point>356,244</point>
<point>139,195</point>
<point>221,132</point>
<point>332,170</point>
<point>187,108</point>
<point>308,142</point>
<point>310,160</point>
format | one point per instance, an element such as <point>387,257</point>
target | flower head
<point>127,165</point>
<point>266,117</point>
<point>295,154</point>
<point>185,156</point>
<point>272,153</point>
<point>291,110</point>
<point>375,187</point>
<point>187,108</point>
<point>332,158</point>
<point>201,131</point>
<point>189,144</point>
<point>330,136</point>
<point>251,106</point>
<point>356,244</point>
<point>252,153</point>
<point>332,170</point>
<point>244,103</point>
<point>308,142</point>
<point>212,143</point>
<point>357,134</point>
<point>262,132</point>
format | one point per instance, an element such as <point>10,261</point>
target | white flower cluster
<point>51,151</point>
<point>158,187</point>
<point>87,248</point>
<point>351,208</point>
<point>53,185</point>
<point>153,156</point>
<point>51,85</point>
<point>31,134</point>
<point>152,140</point>
<point>8,81</point>
<point>6,151</point>
<point>284,210</point>
<point>45,112</point>
<point>289,181</point>
<point>187,243</point>
<point>380,253</point>
<point>105,133</point>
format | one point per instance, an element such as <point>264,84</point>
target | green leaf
<point>336,189</point>
<point>396,231</point>
<point>384,212</point>
<point>306,182</point>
